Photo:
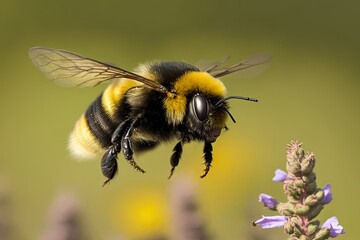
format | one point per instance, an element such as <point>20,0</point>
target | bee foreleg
<point>177,152</point>
<point>207,157</point>
<point>127,147</point>
<point>109,165</point>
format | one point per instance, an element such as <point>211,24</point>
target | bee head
<point>207,117</point>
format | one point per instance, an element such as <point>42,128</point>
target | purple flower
<point>268,201</point>
<point>271,221</point>
<point>327,194</point>
<point>333,224</point>
<point>280,176</point>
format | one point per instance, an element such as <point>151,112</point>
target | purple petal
<point>280,176</point>
<point>268,201</point>
<point>333,224</point>
<point>327,194</point>
<point>271,221</point>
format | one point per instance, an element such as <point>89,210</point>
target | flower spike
<point>305,199</point>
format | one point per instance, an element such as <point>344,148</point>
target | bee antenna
<point>231,116</point>
<point>219,103</point>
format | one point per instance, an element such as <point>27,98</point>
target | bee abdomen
<point>100,124</point>
<point>93,131</point>
<point>82,142</point>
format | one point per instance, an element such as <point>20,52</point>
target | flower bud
<point>292,194</point>
<point>313,227</point>
<point>311,200</point>
<point>303,237</point>
<point>300,153</point>
<point>295,153</point>
<point>291,190</point>
<point>295,224</point>
<point>291,207</point>
<point>295,221</point>
<point>315,222</point>
<point>288,228</point>
<point>302,210</point>
<point>293,168</point>
<point>314,211</point>
<point>311,187</point>
<point>307,165</point>
<point>291,152</point>
<point>287,212</point>
<point>299,183</point>
<point>293,199</point>
<point>320,194</point>
<point>283,209</point>
<point>297,231</point>
<point>323,234</point>
<point>311,177</point>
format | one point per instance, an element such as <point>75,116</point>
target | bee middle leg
<point>208,157</point>
<point>127,146</point>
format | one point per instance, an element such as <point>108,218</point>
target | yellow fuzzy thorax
<point>201,82</point>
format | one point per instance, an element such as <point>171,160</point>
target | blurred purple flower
<point>271,221</point>
<point>333,224</point>
<point>327,194</point>
<point>280,176</point>
<point>268,201</point>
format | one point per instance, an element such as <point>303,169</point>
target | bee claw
<point>171,172</point>
<point>206,170</point>
<point>106,182</point>
<point>136,167</point>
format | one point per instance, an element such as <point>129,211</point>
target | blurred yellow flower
<point>140,213</point>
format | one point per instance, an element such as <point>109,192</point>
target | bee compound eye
<point>201,107</point>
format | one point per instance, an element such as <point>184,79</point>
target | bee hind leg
<point>127,146</point>
<point>109,165</point>
<point>208,157</point>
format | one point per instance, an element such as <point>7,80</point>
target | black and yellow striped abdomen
<point>92,133</point>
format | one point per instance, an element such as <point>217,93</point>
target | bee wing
<point>72,70</point>
<point>217,70</point>
<point>208,66</point>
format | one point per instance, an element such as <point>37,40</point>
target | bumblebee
<point>156,103</point>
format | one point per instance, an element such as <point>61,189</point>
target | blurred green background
<point>309,92</point>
